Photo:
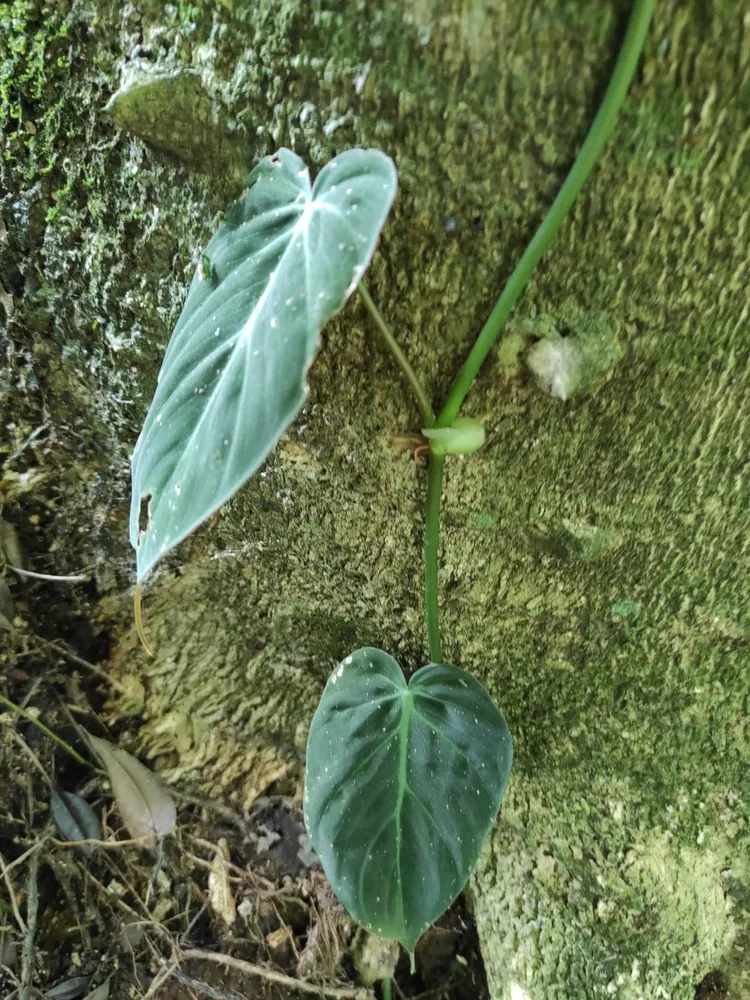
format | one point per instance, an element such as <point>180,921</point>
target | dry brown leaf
<point>145,805</point>
<point>6,301</point>
<point>219,889</point>
<point>10,547</point>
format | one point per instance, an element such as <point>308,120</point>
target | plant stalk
<point>386,989</point>
<point>599,132</point>
<point>431,552</point>
<point>425,406</point>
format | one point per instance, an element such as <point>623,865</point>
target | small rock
<point>280,946</point>
<point>375,958</point>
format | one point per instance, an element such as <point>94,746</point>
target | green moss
<point>173,111</point>
<point>576,540</point>
<point>625,609</point>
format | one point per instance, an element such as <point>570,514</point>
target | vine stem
<point>425,406</point>
<point>600,131</point>
<point>386,989</point>
<point>431,548</point>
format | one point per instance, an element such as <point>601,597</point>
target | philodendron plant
<point>404,778</point>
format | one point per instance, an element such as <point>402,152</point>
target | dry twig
<point>336,992</point>
<point>27,573</point>
<point>138,842</point>
<point>64,650</point>
<point>161,977</point>
<point>209,991</point>
<point>12,894</point>
<point>32,908</point>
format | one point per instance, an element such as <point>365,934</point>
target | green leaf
<point>6,605</point>
<point>100,993</point>
<point>75,819</point>
<point>286,258</point>
<point>70,989</point>
<point>402,785</point>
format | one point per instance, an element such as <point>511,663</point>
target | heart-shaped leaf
<point>146,807</point>
<point>403,782</point>
<point>286,258</point>
<point>75,819</point>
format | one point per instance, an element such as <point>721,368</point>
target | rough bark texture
<point>595,553</point>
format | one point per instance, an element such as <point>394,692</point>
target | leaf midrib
<point>241,337</point>
<point>402,786</point>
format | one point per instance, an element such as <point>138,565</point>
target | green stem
<point>598,134</point>
<point>386,989</point>
<point>431,550</point>
<point>48,732</point>
<point>428,414</point>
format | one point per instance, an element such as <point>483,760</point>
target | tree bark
<point>594,567</point>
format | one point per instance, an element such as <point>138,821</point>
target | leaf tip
<point>139,621</point>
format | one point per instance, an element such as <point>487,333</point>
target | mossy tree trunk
<point>594,554</point>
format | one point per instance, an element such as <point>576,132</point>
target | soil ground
<point>130,916</point>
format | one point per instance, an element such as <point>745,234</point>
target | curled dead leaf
<point>10,547</point>
<point>219,888</point>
